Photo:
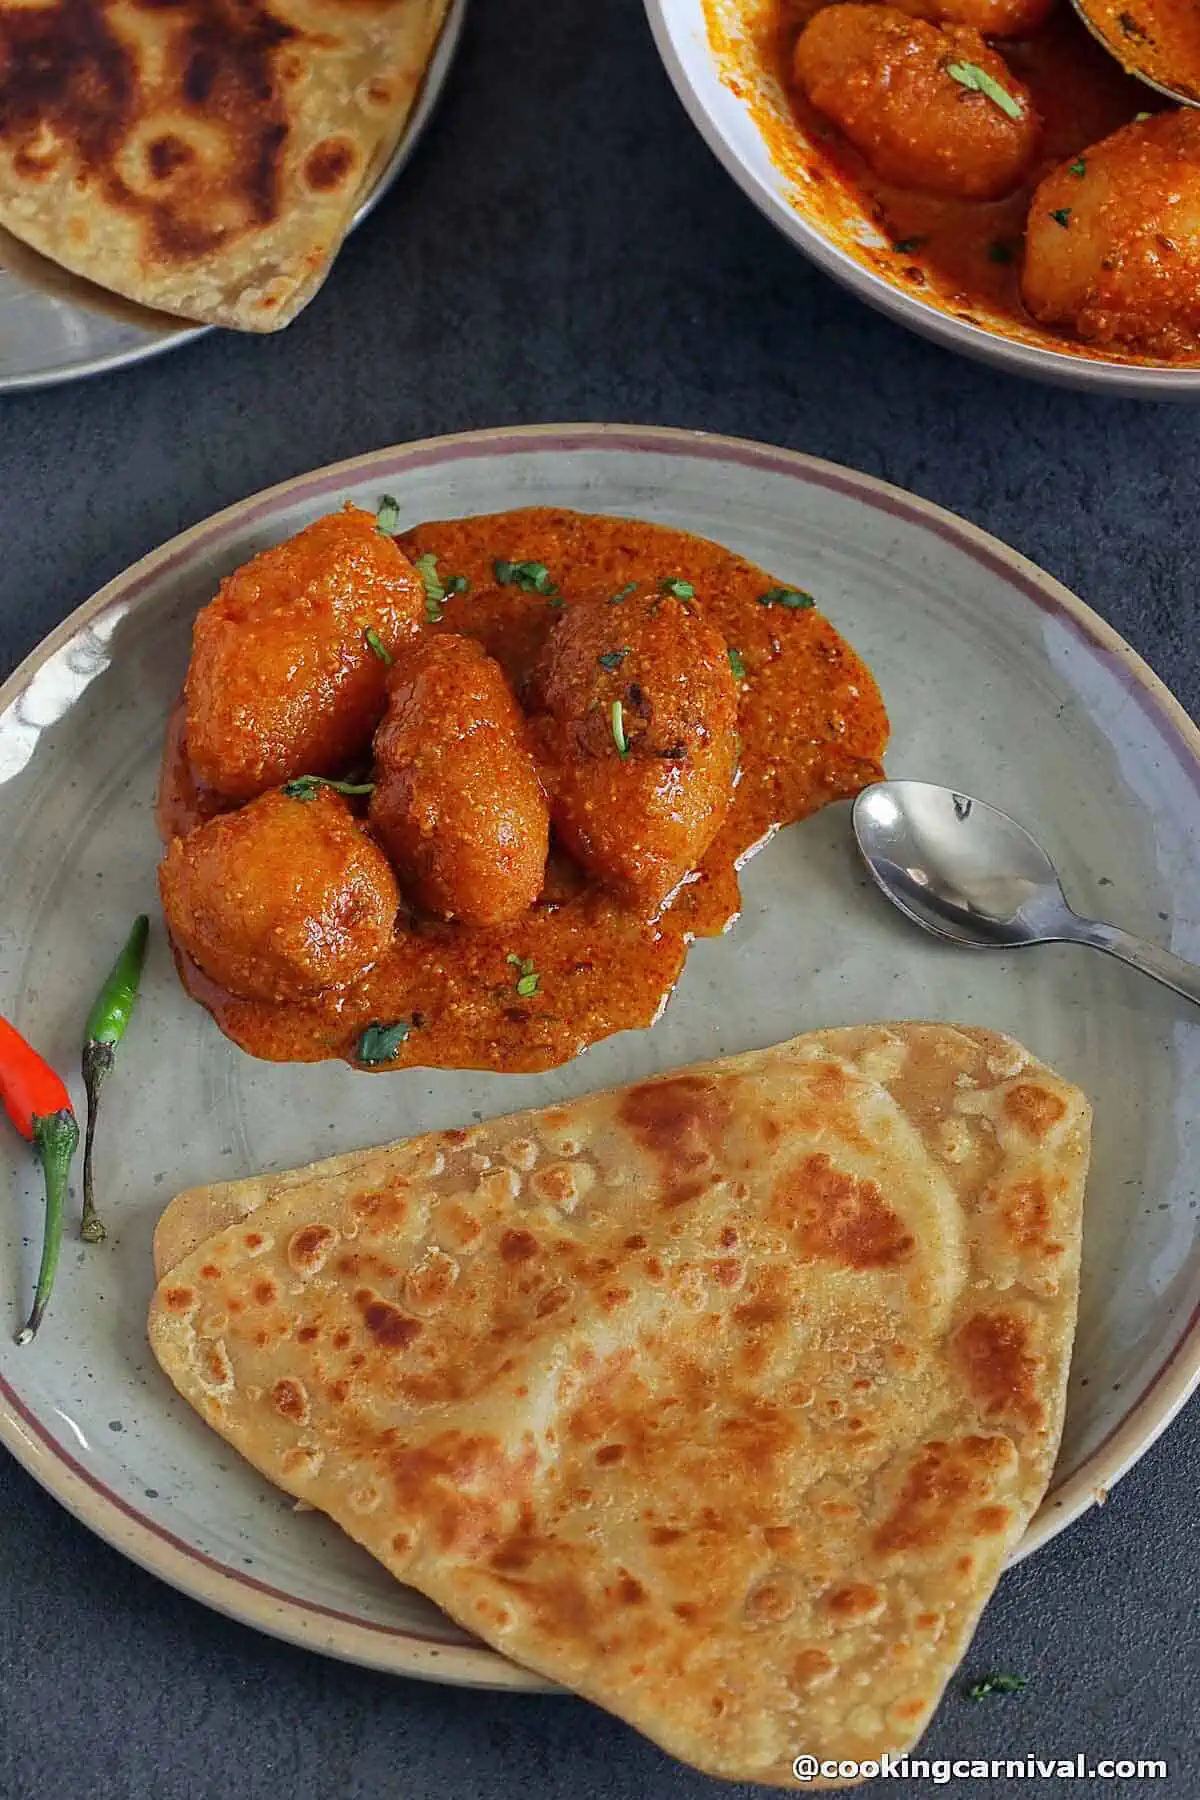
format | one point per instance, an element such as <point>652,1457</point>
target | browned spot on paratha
<point>810,1668</point>
<point>463,1485</point>
<point>381,1210</point>
<point>772,1600</point>
<point>309,1248</point>
<point>1028,1209</point>
<point>388,1326</point>
<point>839,1218</point>
<point>680,1121</point>
<point>216,1366</point>
<point>994,1354</point>
<point>944,1484</point>
<point>290,1399</point>
<point>552,1301</point>
<point>166,155</point>
<point>558,1184</point>
<point>854,1603</point>
<point>428,1284</point>
<point>328,164</point>
<point>1034,1110</point>
<point>518,1246</point>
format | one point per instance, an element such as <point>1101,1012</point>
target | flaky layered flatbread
<point>204,161</point>
<point>720,1399</point>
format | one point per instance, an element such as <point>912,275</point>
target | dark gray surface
<point>565,248</point>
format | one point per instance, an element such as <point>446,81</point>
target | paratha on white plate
<point>203,159</point>
<point>720,1399</point>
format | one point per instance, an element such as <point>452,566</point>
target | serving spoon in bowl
<point>1158,41</point>
<point>965,871</point>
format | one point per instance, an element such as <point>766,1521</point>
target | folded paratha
<point>207,161</point>
<point>720,1399</point>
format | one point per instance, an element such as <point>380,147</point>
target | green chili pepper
<point>104,1030</point>
<point>39,1105</point>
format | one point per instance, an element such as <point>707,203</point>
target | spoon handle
<point>1161,965</point>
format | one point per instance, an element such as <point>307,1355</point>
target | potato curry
<point>1009,161</point>
<point>462,797</point>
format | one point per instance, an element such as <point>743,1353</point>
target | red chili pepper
<point>37,1102</point>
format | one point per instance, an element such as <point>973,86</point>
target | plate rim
<point>400,1650</point>
<point>1056,367</point>
<point>429,95</point>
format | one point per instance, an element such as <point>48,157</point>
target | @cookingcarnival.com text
<point>944,1769</point>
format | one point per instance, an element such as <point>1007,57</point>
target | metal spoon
<point>966,871</point>
<point>1131,42</point>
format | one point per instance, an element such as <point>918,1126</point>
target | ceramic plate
<point>997,679</point>
<point>738,107</point>
<point>54,326</point>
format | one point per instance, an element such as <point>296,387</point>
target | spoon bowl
<point>960,868</point>
<point>965,871</point>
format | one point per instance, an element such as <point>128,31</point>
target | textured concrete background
<point>564,247</point>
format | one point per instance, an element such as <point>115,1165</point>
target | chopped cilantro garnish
<point>682,590</point>
<point>978,81</point>
<point>387,515</point>
<point>1062,216</point>
<point>528,979</point>
<point>534,577</point>
<point>381,1043</point>
<point>997,1684</point>
<point>306,787</point>
<point>622,593</point>
<point>612,659</point>
<point>375,642</point>
<point>793,598</point>
<point>435,589</point>
<point>1079,167</point>
<point>737,664</point>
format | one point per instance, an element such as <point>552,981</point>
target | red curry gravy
<point>969,249</point>
<point>812,727</point>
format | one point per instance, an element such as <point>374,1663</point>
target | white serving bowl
<point>743,116</point>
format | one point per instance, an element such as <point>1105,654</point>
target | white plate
<point>55,327</point>
<point>997,679</point>
<point>726,101</point>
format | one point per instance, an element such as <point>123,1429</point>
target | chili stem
<point>97,1061</point>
